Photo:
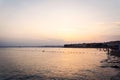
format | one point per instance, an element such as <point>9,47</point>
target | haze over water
<point>55,64</point>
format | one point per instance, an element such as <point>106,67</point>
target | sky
<point>56,22</point>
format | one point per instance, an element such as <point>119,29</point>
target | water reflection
<point>54,63</point>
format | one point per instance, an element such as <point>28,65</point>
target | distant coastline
<point>31,46</point>
<point>110,44</point>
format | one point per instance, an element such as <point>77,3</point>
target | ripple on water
<point>55,64</point>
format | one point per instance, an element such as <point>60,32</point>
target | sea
<point>40,63</point>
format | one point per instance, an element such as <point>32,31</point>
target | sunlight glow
<point>69,21</point>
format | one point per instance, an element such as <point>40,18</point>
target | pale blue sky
<point>51,22</point>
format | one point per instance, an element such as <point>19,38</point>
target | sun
<point>68,34</point>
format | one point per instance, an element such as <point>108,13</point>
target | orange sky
<point>57,22</point>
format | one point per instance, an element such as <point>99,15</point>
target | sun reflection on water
<point>67,63</point>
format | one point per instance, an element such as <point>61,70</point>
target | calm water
<point>55,64</point>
